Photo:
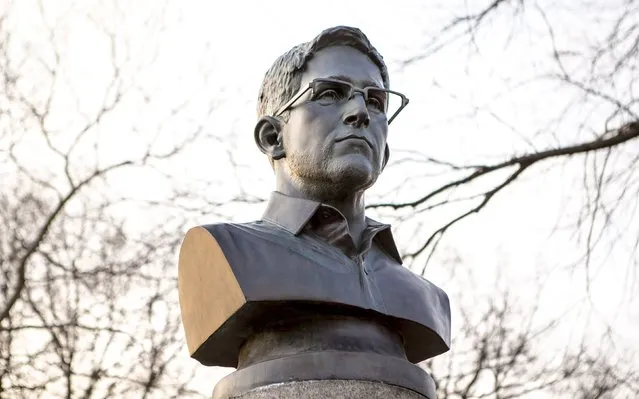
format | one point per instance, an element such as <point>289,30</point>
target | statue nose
<point>357,113</point>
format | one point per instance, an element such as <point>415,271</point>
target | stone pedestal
<point>330,389</point>
<point>325,357</point>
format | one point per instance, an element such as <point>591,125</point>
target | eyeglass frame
<point>354,90</point>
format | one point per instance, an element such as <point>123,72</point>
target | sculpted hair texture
<point>282,80</point>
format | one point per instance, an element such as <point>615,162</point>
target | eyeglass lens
<point>328,92</point>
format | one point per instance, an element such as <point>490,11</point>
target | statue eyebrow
<point>365,83</point>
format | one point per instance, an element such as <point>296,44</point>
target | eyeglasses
<point>332,91</point>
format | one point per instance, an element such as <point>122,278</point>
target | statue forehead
<point>345,62</point>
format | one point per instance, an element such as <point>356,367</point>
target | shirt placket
<point>332,228</point>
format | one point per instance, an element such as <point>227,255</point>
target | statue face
<point>337,147</point>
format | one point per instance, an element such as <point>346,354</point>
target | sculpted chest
<point>254,275</point>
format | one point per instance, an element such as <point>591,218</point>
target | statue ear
<point>386,156</point>
<point>268,137</point>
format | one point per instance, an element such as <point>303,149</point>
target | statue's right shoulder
<point>220,227</point>
<point>234,239</point>
<point>213,260</point>
<point>209,290</point>
<point>215,234</point>
<point>227,233</point>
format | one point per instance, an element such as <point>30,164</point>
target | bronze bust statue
<point>315,290</point>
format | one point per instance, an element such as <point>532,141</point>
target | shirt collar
<point>293,214</point>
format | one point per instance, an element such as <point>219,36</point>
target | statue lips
<point>355,137</point>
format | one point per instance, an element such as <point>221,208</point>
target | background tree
<point>580,125</point>
<point>592,125</point>
<point>87,305</point>
<point>505,347</point>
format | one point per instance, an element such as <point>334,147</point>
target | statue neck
<point>350,204</point>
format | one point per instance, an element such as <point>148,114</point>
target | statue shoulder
<point>431,293</point>
<point>218,228</point>
<point>254,226</point>
<point>237,240</point>
<point>411,296</point>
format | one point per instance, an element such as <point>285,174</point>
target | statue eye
<point>330,92</point>
<point>375,104</point>
<point>328,95</point>
<point>376,100</point>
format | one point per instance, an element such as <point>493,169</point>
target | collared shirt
<point>303,216</point>
<point>301,253</point>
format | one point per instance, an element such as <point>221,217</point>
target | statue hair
<point>282,80</point>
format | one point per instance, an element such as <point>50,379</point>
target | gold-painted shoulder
<point>209,291</point>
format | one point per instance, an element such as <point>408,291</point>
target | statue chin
<point>335,179</point>
<point>355,176</point>
<point>356,180</point>
<point>337,184</point>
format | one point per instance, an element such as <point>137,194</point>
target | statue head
<point>323,114</point>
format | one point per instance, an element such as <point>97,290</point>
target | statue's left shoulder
<point>412,297</point>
